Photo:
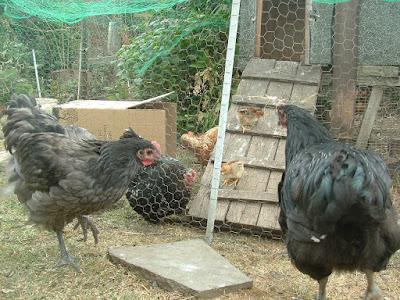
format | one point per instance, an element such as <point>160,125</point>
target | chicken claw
<point>65,257</point>
<point>84,221</point>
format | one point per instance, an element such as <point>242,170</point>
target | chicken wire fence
<point>136,50</point>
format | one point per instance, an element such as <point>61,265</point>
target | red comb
<point>157,146</point>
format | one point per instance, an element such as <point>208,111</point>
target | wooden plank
<point>304,97</point>
<point>257,68</point>
<point>280,153</point>
<point>286,67</point>
<point>244,86</point>
<point>248,195</point>
<point>313,73</point>
<point>255,65</point>
<point>235,212</point>
<point>369,118</point>
<point>252,87</point>
<point>272,102</point>
<point>250,213</point>
<point>254,180</point>
<point>264,147</point>
<point>199,205</point>
<point>379,71</point>
<point>274,179</point>
<point>258,101</point>
<point>255,162</point>
<point>268,217</point>
<point>236,144</point>
<point>246,182</point>
<point>222,210</point>
<point>280,90</point>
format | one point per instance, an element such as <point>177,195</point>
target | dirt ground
<point>27,254</point>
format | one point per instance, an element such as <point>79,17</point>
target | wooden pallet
<point>254,201</point>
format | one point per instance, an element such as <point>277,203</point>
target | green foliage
<point>185,53</point>
<point>16,67</point>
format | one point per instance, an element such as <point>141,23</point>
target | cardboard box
<point>107,120</point>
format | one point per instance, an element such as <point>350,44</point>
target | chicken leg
<point>65,257</point>
<point>373,291</point>
<point>84,221</point>
<point>321,295</point>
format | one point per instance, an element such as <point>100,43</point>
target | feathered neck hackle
<point>303,130</point>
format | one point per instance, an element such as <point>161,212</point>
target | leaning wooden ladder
<point>253,204</point>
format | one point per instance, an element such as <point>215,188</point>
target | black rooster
<point>63,173</point>
<point>336,208</point>
<point>161,189</point>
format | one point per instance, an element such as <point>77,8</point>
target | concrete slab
<point>191,267</point>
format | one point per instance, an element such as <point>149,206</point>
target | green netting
<point>340,1</point>
<point>160,35</point>
<point>70,11</point>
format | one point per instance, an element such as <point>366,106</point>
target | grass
<point>27,254</point>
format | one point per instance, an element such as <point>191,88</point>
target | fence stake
<point>36,73</point>
<point>226,91</point>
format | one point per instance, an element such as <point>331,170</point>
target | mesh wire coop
<point>338,58</point>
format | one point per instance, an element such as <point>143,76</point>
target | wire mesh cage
<point>182,49</point>
<point>337,59</point>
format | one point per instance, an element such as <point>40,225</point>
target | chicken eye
<point>149,152</point>
<point>141,152</point>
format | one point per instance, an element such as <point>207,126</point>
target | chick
<point>232,170</point>
<point>249,115</point>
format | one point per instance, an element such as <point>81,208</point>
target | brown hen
<point>202,145</point>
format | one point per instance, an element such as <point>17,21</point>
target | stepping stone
<point>191,267</point>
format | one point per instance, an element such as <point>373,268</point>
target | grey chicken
<point>336,207</point>
<point>60,173</point>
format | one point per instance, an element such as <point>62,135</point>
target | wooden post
<point>307,41</point>
<point>259,11</point>
<point>345,52</point>
<point>369,118</point>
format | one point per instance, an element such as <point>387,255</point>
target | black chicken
<point>336,208</point>
<point>63,173</point>
<point>161,189</point>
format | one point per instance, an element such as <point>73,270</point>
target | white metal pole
<point>36,73</point>
<point>226,91</point>
<point>78,96</point>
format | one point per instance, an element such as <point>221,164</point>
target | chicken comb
<point>157,146</point>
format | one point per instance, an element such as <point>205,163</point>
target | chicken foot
<point>65,257</point>
<point>244,128</point>
<point>234,182</point>
<point>85,221</point>
<point>373,291</point>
